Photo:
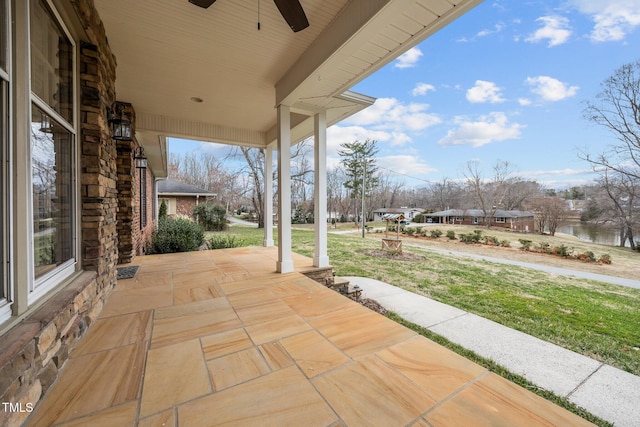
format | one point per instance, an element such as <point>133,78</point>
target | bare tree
<point>489,194</point>
<point>623,192</point>
<point>254,157</point>
<point>518,191</point>
<point>617,108</point>
<point>208,172</point>
<point>446,194</point>
<point>550,213</point>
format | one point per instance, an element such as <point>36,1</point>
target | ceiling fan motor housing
<point>202,3</point>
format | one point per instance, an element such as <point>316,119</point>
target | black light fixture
<point>140,158</point>
<point>119,122</point>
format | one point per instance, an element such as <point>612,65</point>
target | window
<point>52,150</point>
<point>51,61</point>
<point>5,291</point>
<point>52,171</point>
<point>501,220</point>
<point>170,203</point>
<point>475,220</point>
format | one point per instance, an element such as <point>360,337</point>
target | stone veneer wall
<point>32,352</point>
<point>125,186</point>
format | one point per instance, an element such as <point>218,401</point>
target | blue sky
<point>506,81</point>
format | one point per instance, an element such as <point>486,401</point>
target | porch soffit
<point>169,51</point>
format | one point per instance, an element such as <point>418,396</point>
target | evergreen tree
<point>359,161</point>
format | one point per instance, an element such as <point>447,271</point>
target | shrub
<point>505,244</point>
<point>162,212</point>
<point>605,259</point>
<point>436,233</point>
<point>410,231</point>
<point>545,247</point>
<point>224,241</point>
<point>211,217</point>
<point>562,251</point>
<point>467,238</point>
<point>491,241</point>
<point>588,256</point>
<point>526,244</point>
<point>176,235</point>
<point>418,231</point>
<point>451,235</point>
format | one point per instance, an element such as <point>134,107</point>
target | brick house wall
<point>185,205</point>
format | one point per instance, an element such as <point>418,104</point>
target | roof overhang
<point>171,54</point>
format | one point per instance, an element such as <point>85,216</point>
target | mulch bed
<point>373,305</point>
<point>404,256</point>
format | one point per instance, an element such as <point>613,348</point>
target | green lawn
<point>592,318</point>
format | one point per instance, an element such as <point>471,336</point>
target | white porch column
<point>320,257</point>
<point>285,262</point>
<point>267,210</point>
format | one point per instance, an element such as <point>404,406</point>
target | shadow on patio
<point>219,338</point>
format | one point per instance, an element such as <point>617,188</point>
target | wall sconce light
<point>119,123</point>
<point>140,158</point>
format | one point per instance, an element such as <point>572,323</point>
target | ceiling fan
<point>291,11</point>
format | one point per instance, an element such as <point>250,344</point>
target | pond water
<point>591,233</point>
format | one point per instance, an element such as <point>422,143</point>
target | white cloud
<point>613,19</point>
<point>524,101</point>
<point>392,115</point>
<point>422,89</point>
<point>550,89</point>
<point>556,172</point>
<point>493,127</point>
<point>556,29</point>
<point>484,91</point>
<point>408,59</point>
<point>496,29</point>
<point>337,135</point>
<point>405,164</point>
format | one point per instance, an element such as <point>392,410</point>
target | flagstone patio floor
<point>218,338</point>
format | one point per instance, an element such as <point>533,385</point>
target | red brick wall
<point>185,205</point>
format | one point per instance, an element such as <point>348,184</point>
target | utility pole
<point>364,180</point>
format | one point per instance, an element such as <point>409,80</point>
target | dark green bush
<point>451,235</point>
<point>176,235</point>
<point>162,213</point>
<point>562,251</point>
<point>211,217</point>
<point>526,244</point>
<point>224,241</point>
<point>437,233</point>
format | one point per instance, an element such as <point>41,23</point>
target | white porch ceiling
<point>169,51</point>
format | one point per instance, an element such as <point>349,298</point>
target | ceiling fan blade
<point>293,13</point>
<point>202,3</point>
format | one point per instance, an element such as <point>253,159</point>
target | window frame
<point>6,237</point>
<point>40,286</point>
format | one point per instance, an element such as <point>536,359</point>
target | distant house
<point>514,220</point>
<point>180,197</point>
<point>409,213</point>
